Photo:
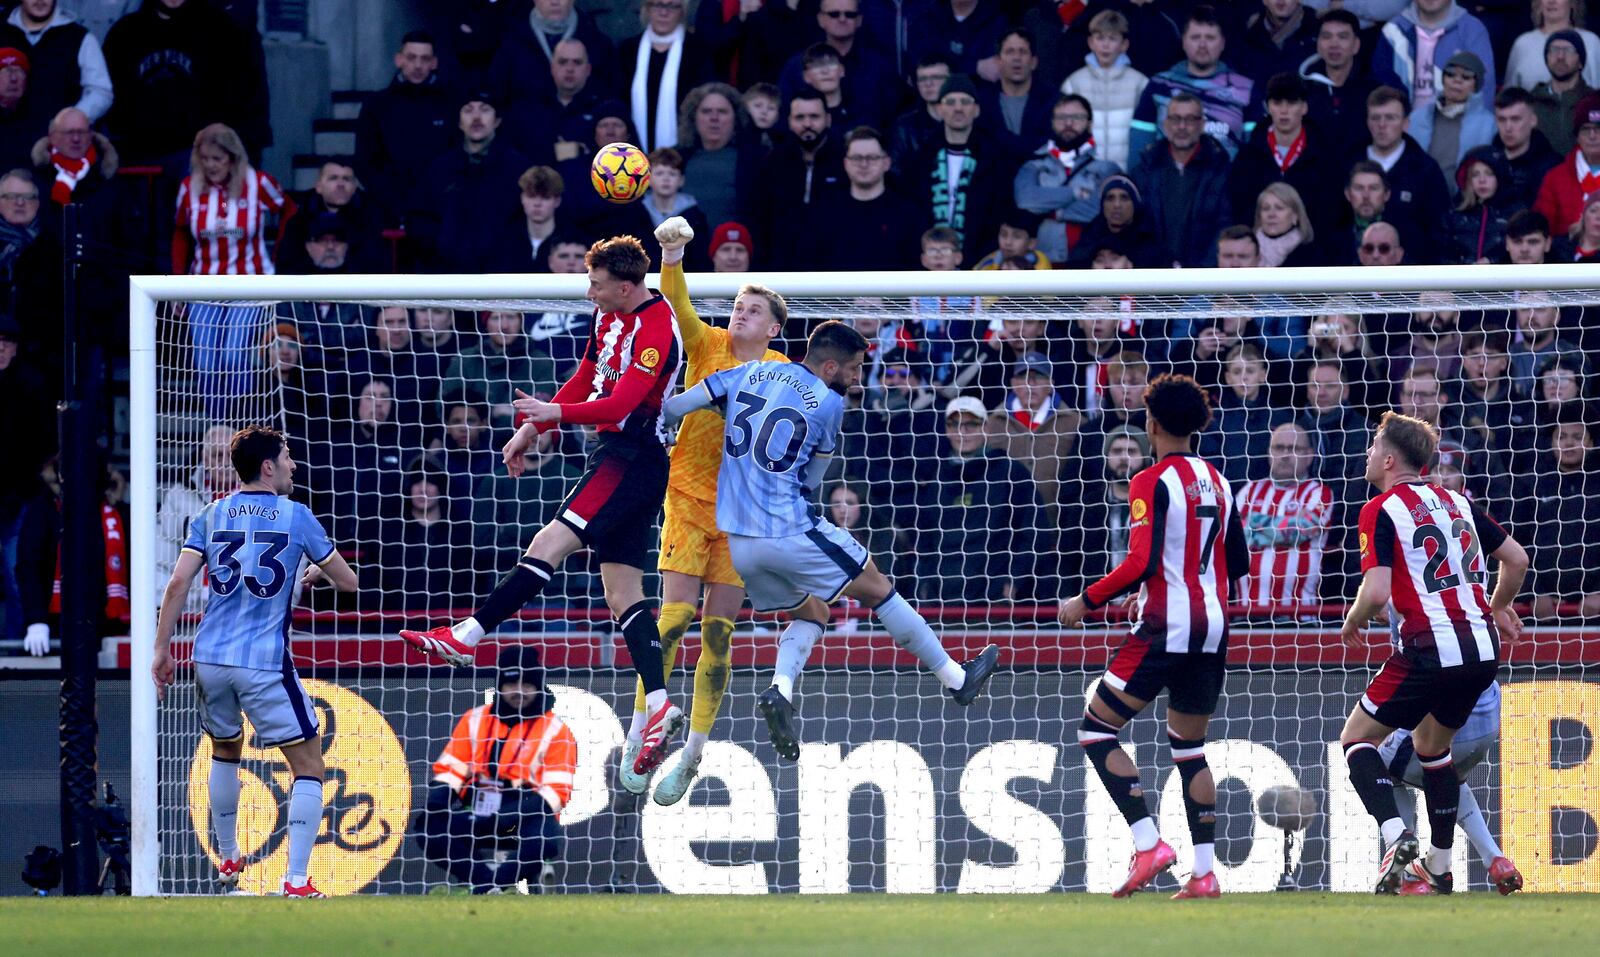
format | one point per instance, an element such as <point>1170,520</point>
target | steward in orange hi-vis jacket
<point>501,783</point>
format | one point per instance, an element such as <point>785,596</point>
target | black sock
<point>1098,740</point>
<point>1441,791</point>
<point>1371,780</point>
<point>1202,817</point>
<point>521,586</point>
<point>644,644</point>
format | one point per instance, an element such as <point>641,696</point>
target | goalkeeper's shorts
<point>691,544</point>
<point>274,701</point>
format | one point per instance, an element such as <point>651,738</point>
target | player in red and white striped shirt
<point>223,208</point>
<point>1184,548</point>
<point>1422,553</point>
<point>1286,519</point>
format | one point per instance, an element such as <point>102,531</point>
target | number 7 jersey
<point>252,543</point>
<point>1433,540</point>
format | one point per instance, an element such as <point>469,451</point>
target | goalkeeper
<point>694,554</point>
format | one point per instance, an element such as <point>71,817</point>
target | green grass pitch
<point>1285,925</point>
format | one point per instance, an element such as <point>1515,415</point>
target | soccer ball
<point>620,172</point>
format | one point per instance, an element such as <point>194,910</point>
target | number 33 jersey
<point>1434,541</point>
<point>779,418</point>
<point>252,543</point>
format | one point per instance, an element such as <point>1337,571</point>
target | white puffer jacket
<point>1113,93</point>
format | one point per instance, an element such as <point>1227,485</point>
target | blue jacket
<point>1394,60</point>
<point>1477,128</point>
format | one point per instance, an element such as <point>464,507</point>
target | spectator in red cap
<point>14,138</point>
<point>1562,194</point>
<point>731,248</point>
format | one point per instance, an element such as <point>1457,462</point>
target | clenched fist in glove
<point>673,234</point>
<point>37,640</point>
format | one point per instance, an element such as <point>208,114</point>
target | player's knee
<point>228,750</point>
<point>675,620</point>
<point>716,638</point>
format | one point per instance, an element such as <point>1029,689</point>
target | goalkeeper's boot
<point>1412,887</point>
<point>306,890</point>
<point>631,782</point>
<point>779,714</point>
<point>1194,888</point>
<point>1395,858</point>
<point>1440,883</point>
<point>677,782</point>
<point>1504,876</point>
<point>228,872</point>
<point>1147,865</point>
<point>978,671</point>
<point>440,643</point>
<point>658,732</point>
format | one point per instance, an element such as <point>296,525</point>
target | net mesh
<point>397,411</point>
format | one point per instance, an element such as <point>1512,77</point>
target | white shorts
<point>275,702</point>
<point>781,573</point>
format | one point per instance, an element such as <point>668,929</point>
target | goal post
<point>967,797</point>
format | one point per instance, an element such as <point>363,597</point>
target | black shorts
<point>1411,686</point>
<point>614,507</point>
<point>1193,680</point>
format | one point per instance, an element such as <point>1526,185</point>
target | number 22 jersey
<point>252,543</point>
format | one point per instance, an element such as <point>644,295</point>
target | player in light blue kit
<point>781,429</point>
<point>251,544</point>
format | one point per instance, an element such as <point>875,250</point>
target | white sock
<point>1145,835</point>
<point>1391,830</point>
<point>1204,859</point>
<point>654,700</point>
<point>224,789</point>
<point>636,726</point>
<point>1470,817</point>
<point>468,632</point>
<point>305,822</point>
<point>1439,860</point>
<point>911,632</point>
<point>951,675</point>
<point>794,650</point>
<point>785,686</point>
<point>694,744</point>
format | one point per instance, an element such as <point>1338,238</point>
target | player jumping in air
<point>250,543</point>
<point>1422,549</point>
<point>627,372</point>
<point>782,427</point>
<point>694,554</point>
<point>1185,546</point>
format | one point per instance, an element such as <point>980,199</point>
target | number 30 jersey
<point>252,543</point>
<point>779,419</point>
<point>1434,541</point>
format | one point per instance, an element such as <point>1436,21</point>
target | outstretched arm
<point>674,234</point>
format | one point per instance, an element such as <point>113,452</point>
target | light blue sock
<point>224,788</point>
<point>794,650</point>
<point>911,632</point>
<point>305,822</point>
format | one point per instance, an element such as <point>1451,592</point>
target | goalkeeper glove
<point>37,640</point>
<point>673,234</point>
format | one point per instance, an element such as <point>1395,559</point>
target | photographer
<point>501,782</point>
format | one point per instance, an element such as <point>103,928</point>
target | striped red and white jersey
<point>1433,540</point>
<point>227,234</point>
<point>1185,545</point>
<point>628,372</point>
<point>1286,528</point>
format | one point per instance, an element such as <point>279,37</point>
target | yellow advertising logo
<point>1363,543</point>
<point>1537,778</point>
<point>366,799</point>
<point>1137,510</point>
<point>649,358</point>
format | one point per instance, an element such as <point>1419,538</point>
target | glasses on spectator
<point>1176,120</point>
<point>964,424</point>
<point>19,197</point>
<point>842,14</point>
<point>865,157</point>
<point>664,5</point>
<point>1459,75</point>
<point>1382,249</point>
<point>1076,118</point>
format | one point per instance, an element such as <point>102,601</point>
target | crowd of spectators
<point>855,135</point>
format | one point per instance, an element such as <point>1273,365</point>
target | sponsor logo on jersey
<point>368,798</point>
<point>1364,543</point>
<point>1137,511</point>
<point>649,358</point>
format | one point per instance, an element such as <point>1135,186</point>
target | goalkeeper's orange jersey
<point>697,457</point>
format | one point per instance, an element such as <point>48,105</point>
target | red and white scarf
<point>1032,419</point>
<point>1070,159</point>
<point>69,173</point>
<point>116,549</point>
<point>1295,149</point>
<point>1588,178</point>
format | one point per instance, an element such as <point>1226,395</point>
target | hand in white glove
<point>37,640</point>
<point>673,234</point>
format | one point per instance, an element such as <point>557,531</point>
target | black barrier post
<point>82,578</point>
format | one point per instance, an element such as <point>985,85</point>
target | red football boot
<point>228,872</point>
<point>1504,876</point>
<point>439,643</point>
<point>658,732</point>
<point>1415,888</point>
<point>305,891</point>
<point>1146,865</point>
<point>1203,886</point>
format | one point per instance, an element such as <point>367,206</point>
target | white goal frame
<point>146,291</point>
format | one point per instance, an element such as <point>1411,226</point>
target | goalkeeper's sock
<point>1441,789</point>
<point>1372,782</point>
<point>711,673</point>
<point>639,630</point>
<point>674,621</point>
<point>224,790</point>
<point>794,650</point>
<point>1471,819</point>
<point>522,585</point>
<point>911,632</point>
<point>305,821</point>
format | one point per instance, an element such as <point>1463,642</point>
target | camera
<point>114,833</point>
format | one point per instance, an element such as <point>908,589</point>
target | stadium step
<point>334,137</point>
<point>347,103</point>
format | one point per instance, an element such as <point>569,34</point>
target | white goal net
<point>396,391</point>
